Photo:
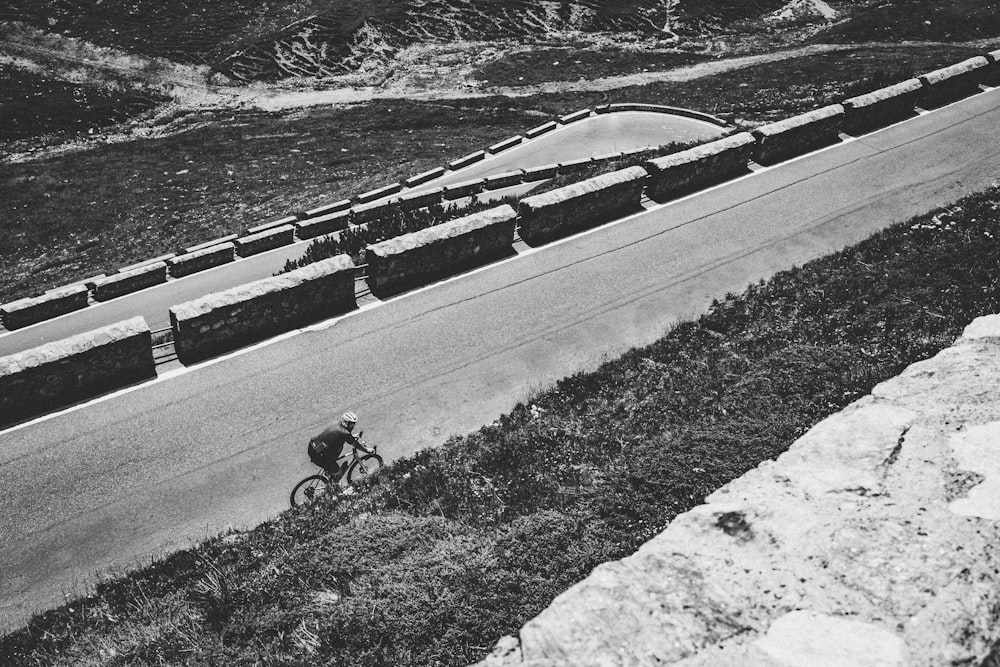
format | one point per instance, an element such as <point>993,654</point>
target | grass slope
<point>459,545</point>
<point>932,20</point>
<point>33,104</point>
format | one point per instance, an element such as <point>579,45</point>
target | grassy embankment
<point>75,215</point>
<point>459,545</point>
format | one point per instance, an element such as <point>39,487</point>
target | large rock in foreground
<point>875,540</point>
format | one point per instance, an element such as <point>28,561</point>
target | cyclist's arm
<point>358,444</point>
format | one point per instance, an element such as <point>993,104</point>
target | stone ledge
<point>867,543</point>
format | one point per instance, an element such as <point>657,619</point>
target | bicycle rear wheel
<point>364,468</point>
<point>310,489</point>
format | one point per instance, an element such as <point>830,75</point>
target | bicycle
<point>361,467</point>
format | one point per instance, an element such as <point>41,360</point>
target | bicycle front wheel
<point>309,489</point>
<point>364,468</point>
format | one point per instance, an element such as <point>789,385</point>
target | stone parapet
<point>952,83</point>
<point>541,129</point>
<point>414,200</point>
<point>266,240</point>
<point>464,189</point>
<point>118,284</point>
<point>689,170</point>
<point>327,209</point>
<point>881,107</point>
<point>504,180</point>
<point>580,205</point>
<point>322,225</point>
<point>379,193</point>
<point>226,320</point>
<point>24,312</point>
<point>871,541</point>
<point>423,177</point>
<point>57,374</point>
<point>798,135</point>
<point>200,260</point>
<point>505,144</point>
<point>465,161</point>
<point>420,257</point>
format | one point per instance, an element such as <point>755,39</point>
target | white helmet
<point>349,418</point>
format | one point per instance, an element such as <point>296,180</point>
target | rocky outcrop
<point>871,541</point>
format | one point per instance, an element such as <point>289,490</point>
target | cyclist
<point>326,448</point>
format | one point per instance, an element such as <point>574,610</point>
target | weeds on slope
<point>457,546</point>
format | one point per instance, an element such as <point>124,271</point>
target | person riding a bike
<point>325,449</point>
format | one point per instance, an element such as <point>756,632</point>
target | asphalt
<point>107,486</point>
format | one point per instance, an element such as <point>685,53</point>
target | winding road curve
<point>128,477</point>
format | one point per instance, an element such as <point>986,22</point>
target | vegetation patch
<point>928,20</point>
<point>455,547</point>
<point>572,64</point>
<point>33,104</point>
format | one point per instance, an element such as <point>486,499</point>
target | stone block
<point>207,244</point>
<point>505,144</point>
<point>226,320</point>
<point>798,135</point>
<point>327,209</point>
<point>420,257</point>
<point>580,205</point>
<point>471,158</point>
<point>120,284</point>
<point>422,178</point>
<point>323,225</point>
<point>948,84</point>
<point>881,107</point>
<point>541,129</point>
<point>574,166</point>
<point>504,180</point>
<point>575,116</point>
<point>264,241</point>
<point>256,229</point>
<point>380,193</point>
<point>540,173</point>
<point>146,262</point>
<point>200,260</point>
<point>60,373</point>
<point>464,189</point>
<point>53,303</point>
<point>414,200</point>
<point>689,170</point>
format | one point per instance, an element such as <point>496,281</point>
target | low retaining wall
<point>131,281</point>
<point>420,257</point>
<point>698,167</point>
<point>327,209</point>
<point>227,320</point>
<point>57,374</point>
<point>364,213</point>
<point>324,224</point>
<point>505,144</point>
<point>23,312</point>
<point>379,193</point>
<point>263,241</point>
<point>200,260</point>
<point>504,180</point>
<point>464,189</point>
<point>952,83</point>
<point>580,205</point>
<point>541,129</point>
<point>882,107</point>
<point>797,135</point>
<point>421,178</point>
<point>471,158</point>
<point>415,200</point>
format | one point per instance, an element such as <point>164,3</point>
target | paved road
<point>220,445</point>
<point>597,135</point>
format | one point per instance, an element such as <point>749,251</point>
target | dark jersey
<point>330,443</point>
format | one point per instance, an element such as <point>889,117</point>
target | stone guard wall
<point>580,205</point>
<point>882,107</point>
<point>420,257</point>
<point>23,312</point>
<point>57,374</point>
<point>698,167</point>
<point>797,135</point>
<point>954,82</point>
<point>199,260</point>
<point>227,320</point>
<point>130,281</point>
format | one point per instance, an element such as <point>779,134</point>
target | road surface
<point>219,445</point>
